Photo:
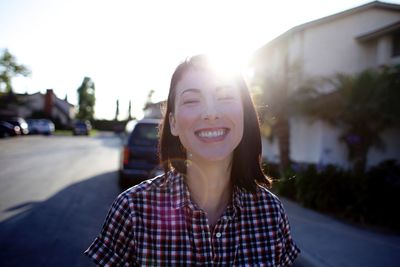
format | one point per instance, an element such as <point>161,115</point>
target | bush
<point>282,185</point>
<point>383,194</point>
<point>330,189</point>
<point>372,198</point>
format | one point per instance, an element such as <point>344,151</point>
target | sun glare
<point>229,63</point>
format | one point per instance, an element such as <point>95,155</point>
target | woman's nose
<point>210,111</point>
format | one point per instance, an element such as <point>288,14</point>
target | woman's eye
<point>190,101</point>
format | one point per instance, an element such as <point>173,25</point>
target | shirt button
<point>218,235</point>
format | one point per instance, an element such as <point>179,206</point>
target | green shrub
<point>383,195</point>
<point>283,185</point>
<point>372,198</point>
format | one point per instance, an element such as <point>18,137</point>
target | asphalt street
<point>328,242</point>
<point>54,194</point>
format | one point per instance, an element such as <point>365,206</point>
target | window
<point>145,134</point>
<point>396,44</point>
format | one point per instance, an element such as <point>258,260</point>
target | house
<point>366,36</point>
<point>153,110</point>
<point>45,105</point>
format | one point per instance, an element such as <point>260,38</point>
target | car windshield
<point>80,124</point>
<point>15,123</point>
<point>144,134</point>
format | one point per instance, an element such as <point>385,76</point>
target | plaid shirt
<point>156,224</point>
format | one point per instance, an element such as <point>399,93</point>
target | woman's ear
<point>172,124</point>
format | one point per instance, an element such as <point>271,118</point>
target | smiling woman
<point>211,206</point>
<point>207,116</point>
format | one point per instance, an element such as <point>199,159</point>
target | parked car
<point>20,122</point>
<point>40,126</point>
<point>139,159</point>
<point>7,129</point>
<point>81,128</point>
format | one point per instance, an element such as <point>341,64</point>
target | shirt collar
<point>181,195</point>
<point>237,197</point>
<point>180,192</point>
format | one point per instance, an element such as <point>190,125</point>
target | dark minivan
<point>139,159</point>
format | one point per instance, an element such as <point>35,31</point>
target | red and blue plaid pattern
<point>157,224</point>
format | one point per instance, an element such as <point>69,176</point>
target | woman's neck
<point>210,187</point>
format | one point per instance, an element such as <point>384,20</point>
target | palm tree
<point>273,111</point>
<point>274,101</point>
<point>363,104</point>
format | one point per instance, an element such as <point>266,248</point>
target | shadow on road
<point>55,232</point>
<point>25,205</point>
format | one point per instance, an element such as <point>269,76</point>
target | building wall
<point>68,111</point>
<point>270,61</point>
<point>270,150</point>
<point>315,141</point>
<point>391,148</point>
<point>332,47</point>
<point>322,50</point>
<point>36,102</point>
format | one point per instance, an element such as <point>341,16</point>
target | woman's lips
<point>212,135</point>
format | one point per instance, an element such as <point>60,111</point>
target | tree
<point>86,99</point>
<point>363,104</point>
<point>273,101</point>
<point>9,68</point>
<point>149,99</point>
<point>116,110</point>
<point>273,111</point>
<point>130,110</point>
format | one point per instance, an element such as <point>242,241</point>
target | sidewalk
<point>325,241</point>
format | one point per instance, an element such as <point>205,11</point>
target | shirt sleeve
<point>289,248</point>
<point>115,245</point>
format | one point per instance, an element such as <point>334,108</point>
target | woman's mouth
<point>212,135</point>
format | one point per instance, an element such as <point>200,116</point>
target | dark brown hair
<point>246,170</point>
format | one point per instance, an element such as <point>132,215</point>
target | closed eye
<point>226,97</point>
<point>225,93</point>
<point>190,101</point>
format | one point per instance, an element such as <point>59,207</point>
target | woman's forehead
<point>203,79</point>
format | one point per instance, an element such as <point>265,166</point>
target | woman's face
<point>208,115</point>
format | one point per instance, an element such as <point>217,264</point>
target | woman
<point>211,207</point>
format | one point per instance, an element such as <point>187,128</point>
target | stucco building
<point>349,42</point>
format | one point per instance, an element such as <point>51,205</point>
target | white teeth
<point>211,134</point>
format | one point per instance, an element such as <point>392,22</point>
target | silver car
<point>40,126</point>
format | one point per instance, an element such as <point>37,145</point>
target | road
<point>54,194</point>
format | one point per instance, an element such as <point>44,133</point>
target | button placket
<point>217,237</point>
<point>202,236</point>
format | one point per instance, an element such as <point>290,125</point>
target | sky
<point>129,47</point>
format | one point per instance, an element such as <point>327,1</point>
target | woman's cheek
<point>232,110</point>
<point>188,112</point>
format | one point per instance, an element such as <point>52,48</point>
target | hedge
<point>372,198</point>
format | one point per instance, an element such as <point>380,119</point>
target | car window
<point>15,123</point>
<point>144,134</point>
<point>80,124</point>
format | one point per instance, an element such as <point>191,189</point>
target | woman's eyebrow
<point>193,90</point>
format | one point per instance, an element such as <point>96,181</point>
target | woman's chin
<point>214,157</point>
